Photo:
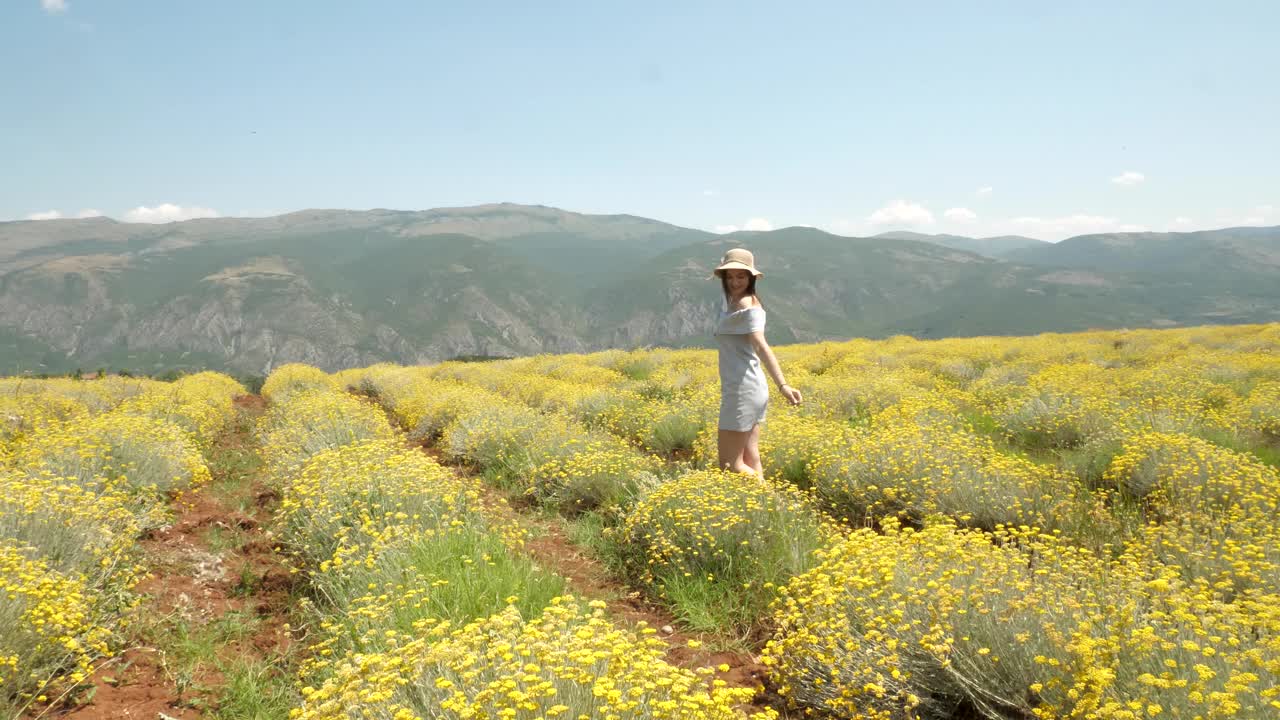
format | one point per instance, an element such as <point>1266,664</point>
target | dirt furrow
<point>211,633</point>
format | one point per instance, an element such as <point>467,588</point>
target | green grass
<point>588,531</point>
<point>1265,449</point>
<point>255,689</point>
<point>187,644</point>
<point>248,582</point>
<point>1089,461</point>
<point>712,607</point>
<point>676,431</point>
<point>221,538</point>
<point>1269,454</point>
<point>189,650</point>
<point>984,424</point>
<point>469,573</point>
<point>233,466</point>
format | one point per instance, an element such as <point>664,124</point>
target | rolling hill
<point>337,288</point>
<point>997,247</point>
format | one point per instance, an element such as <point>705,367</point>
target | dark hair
<point>751,285</point>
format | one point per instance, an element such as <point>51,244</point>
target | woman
<point>743,390</point>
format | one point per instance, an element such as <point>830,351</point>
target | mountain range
<point>340,288</point>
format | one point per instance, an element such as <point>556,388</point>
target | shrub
<point>70,528</point>
<point>942,622</point>
<point>596,475</point>
<point>1174,474</point>
<point>150,458</point>
<point>413,579</point>
<point>1262,409</point>
<point>343,500</point>
<point>292,431</point>
<point>1055,420</point>
<point>293,378</point>
<point>913,471</point>
<point>49,626</point>
<point>715,543</point>
<point>200,404</point>
<point>508,667</point>
<point>508,442</point>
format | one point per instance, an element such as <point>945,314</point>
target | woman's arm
<point>771,365</point>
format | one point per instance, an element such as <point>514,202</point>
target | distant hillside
<point>337,288</point>
<point>995,247</point>
<point>1244,249</point>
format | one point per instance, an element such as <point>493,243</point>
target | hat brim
<point>735,265</point>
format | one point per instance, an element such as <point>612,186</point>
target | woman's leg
<point>731,445</point>
<point>751,452</point>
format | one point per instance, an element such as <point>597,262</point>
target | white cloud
<point>755,224</point>
<point>1132,227</point>
<point>89,213</point>
<point>168,212</point>
<point>841,226</point>
<point>1062,227</point>
<point>1259,215</point>
<point>984,191</point>
<point>710,193</point>
<point>50,215</point>
<point>901,212</point>
<point>1128,177</point>
<point>54,6</point>
<point>960,215</point>
<point>1181,221</point>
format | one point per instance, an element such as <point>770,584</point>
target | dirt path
<point>212,622</point>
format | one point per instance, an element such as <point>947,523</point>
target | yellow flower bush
<point>311,421</point>
<point>346,500</point>
<point>713,543</point>
<point>201,404</point>
<point>542,452</point>
<point>503,440</point>
<point>20,413</point>
<point>858,391</point>
<point>921,623</point>
<point>568,662</point>
<point>388,538</point>
<point>1262,409</point>
<point>594,474</point>
<point>152,458</point>
<point>1178,473</point>
<point>914,470</point>
<point>293,378</point>
<point>97,395</point>
<point>50,625</point>
<point>70,527</point>
<point>1055,418</point>
<point>427,406</point>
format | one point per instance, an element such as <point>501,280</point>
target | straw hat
<point>737,259</point>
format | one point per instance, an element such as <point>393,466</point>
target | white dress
<point>744,393</point>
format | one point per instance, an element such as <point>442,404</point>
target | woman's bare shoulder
<point>748,301</point>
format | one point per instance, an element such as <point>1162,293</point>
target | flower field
<point>1059,526</point>
<point>88,466</point>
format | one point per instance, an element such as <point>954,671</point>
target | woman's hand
<point>792,395</point>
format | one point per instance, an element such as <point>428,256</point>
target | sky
<point>1047,119</point>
